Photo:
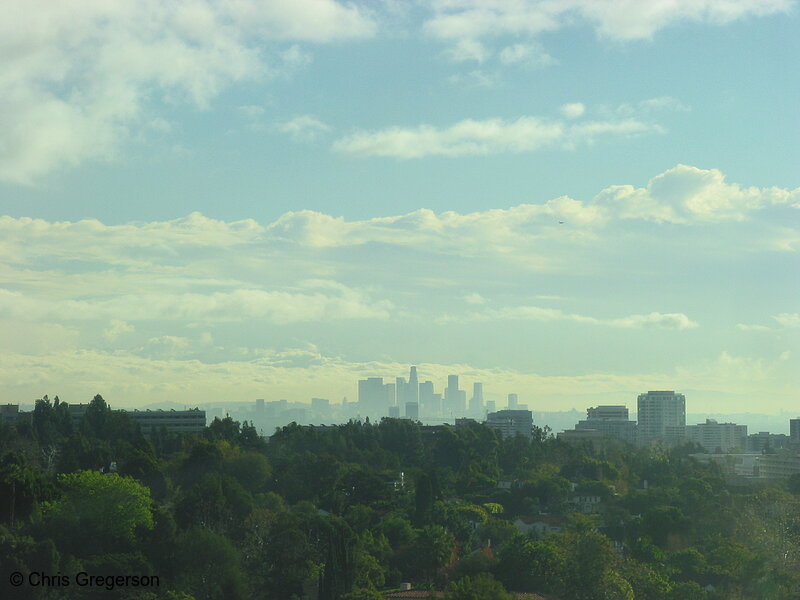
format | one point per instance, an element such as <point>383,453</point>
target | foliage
<point>344,513</point>
<point>99,511</point>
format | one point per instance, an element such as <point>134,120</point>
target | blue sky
<point>576,201</point>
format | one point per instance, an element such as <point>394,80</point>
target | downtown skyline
<point>204,202</point>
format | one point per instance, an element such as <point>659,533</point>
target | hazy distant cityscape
<point>660,416</point>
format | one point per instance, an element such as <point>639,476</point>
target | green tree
<point>99,513</point>
<point>480,587</point>
<point>209,566</point>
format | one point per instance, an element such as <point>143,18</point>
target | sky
<point>573,200</point>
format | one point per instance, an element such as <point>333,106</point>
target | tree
<point>209,567</point>
<point>433,548</point>
<point>99,513</point>
<point>480,587</point>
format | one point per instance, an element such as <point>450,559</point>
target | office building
<point>513,401</point>
<point>320,406</point>
<point>412,411</point>
<point>579,437</point>
<point>174,421</point>
<point>511,422</point>
<point>718,437</point>
<point>794,433</point>
<point>662,417</point>
<point>412,387</point>
<point>764,441</point>
<point>375,397</point>
<point>609,421</point>
<point>430,402</point>
<point>455,400</point>
<point>476,402</point>
<point>608,413</point>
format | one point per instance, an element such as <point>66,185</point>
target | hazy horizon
<point>573,202</point>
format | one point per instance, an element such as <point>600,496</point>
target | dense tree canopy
<point>347,512</point>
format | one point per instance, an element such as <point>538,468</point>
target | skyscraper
<point>661,416</point>
<point>455,400</point>
<point>374,397</point>
<point>430,403</point>
<point>513,401</point>
<point>412,387</point>
<point>476,402</point>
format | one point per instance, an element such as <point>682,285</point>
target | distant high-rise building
<point>511,422</point>
<point>794,432</point>
<point>476,402</point>
<point>609,420</point>
<point>259,405</point>
<point>391,393</point>
<point>718,437</point>
<point>491,406</point>
<point>610,413</point>
<point>513,401</point>
<point>412,411</point>
<point>320,405</point>
<point>374,397</point>
<point>394,412</point>
<point>662,416</point>
<point>455,400</point>
<point>412,387</point>
<point>400,386</point>
<point>430,403</point>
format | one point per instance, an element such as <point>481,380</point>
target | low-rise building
<point>718,437</point>
<point>764,441</point>
<point>511,422</point>
<point>174,421</point>
<point>583,436</point>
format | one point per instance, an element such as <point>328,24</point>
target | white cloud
<point>746,327</point>
<point>468,51</point>
<point>573,110</point>
<point>304,128</point>
<point>76,79</point>
<point>475,298</point>
<point>614,19</point>
<point>666,103</point>
<point>789,320</point>
<point>475,78</point>
<point>653,320</point>
<point>531,54</point>
<point>687,194</point>
<point>491,136</point>
<point>280,307</point>
<point>116,328</point>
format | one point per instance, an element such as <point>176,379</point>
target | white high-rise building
<point>661,416</point>
<point>718,437</point>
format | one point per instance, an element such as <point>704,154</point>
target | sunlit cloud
<point>653,320</point>
<point>480,138</point>
<point>304,128</point>
<point>76,79</point>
